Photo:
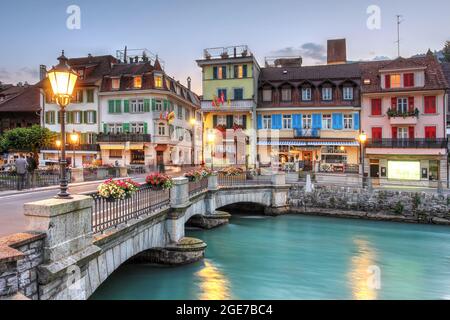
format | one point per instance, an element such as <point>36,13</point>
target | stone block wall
<point>20,255</point>
<point>415,206</point>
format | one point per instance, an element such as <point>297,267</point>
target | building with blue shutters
<point>309,116</point>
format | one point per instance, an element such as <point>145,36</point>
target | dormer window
<point>178,89</point>
<point>306,94</point>
<point>168,84</point>
<point>393,81</point>
<point>408,80</point>
<point>348,93</point>
<point>80,73</point>
<point>327,94</point>
<point>115,83</point>
<point>286,94</point>
<point>267,95</point>
<point>137,83</point>
<point>158,81</point>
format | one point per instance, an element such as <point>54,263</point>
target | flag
<point>222,98</point>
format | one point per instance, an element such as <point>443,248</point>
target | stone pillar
<point>179,202</point>
<point>123,172</point>
<point>179,194</point>
<point>279,195</point>
<point>213,182</point>
<point>278,178</point>
<point>77,174</point>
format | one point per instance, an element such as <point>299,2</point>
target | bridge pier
<point>279,202</point>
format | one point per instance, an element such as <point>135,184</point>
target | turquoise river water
<point>300,257</point>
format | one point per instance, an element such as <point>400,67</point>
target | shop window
<point>115,154</point>
<point>404,170</point>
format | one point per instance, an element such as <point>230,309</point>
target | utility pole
<point>399,21</point>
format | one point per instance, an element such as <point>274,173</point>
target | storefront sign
<point>404,170</point>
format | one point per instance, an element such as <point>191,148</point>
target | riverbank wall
<point>385,205</point>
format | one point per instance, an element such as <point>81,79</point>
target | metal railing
<point>133,170</point>
<point>306,133</point>
<point>196,187</point>
<point>124,137</point>
<point>439,143</point>
<point>37,179</point>
<point>100,173</point>
<point>108,214</point>
<point>245,178</point>
<point>339,168</point>
<point>81,147</point>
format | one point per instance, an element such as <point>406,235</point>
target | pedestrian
<point>21,171</point>
<point>32,166</point>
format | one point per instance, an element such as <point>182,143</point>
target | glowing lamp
<point>62,79</point>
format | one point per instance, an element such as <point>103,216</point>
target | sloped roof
<point>26,101</point>
<point>402,63</point>
<point>446,70</point>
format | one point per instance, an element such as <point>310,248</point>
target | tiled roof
<point>446,70</point>
<point>26,101</point>
<point>434,76</point>
<point>323,72</point>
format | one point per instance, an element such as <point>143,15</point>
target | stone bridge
<point>61,258</point>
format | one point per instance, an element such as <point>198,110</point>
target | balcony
<point>306,133</point>
<point>398,118</point>
<point>124,137</point>
<point>226,52</point>
<point>440,143</point>
<point>235,105</point>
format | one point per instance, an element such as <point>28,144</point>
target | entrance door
<point>307,160</point>
<point>160,158</point>
<point>375,172</point>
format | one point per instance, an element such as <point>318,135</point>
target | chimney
<point>337,51</point>
<point>189,80</point>
<point>42,72</point>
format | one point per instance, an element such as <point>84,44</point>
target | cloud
<point>309,50</point>
<point>30,75</point>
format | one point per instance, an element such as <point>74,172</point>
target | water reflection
<point>360,273</point>
<point>213,284</point>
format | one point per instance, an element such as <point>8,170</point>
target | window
<point>115,128</point>
<point>306,94</point>
<point>404,170</point>
<point>115,154</point>
<point>238,94</point>
<point>115,83</point>
<point>80,73</point>
<point>408,80</point>
<point>348,93</point>
<point>376,107</point>
<point>158,81</point>
<point>287,121</point>
<point>430,132</point>
<point>180,113</point>
<point>158,105</point>
<point>168,83</point>
<point>393,81</point>
<point>91,117</point>
<point>178,89</point>
<point>307,121</point>
<point>137,106</point>
<point>78,96</point>
<point>137,83</point>
<point>220,72</point>
<point>377,133</point>
<point>137,128</point>
<point>90,96</point>
<point>430,105</point>
<point>50,117</point>
<point>267,95</point>
<point>222,93</point>
<point>239,120</point>
<point>187,114</point>
<point>326,121</point>
<point>76,117</point>
<point>222,120</point>
<point>286,94</point>
<point>162,129</point>
<point>91,138</point>
<point>348,121</point>
<point>327,94</point>
<point>402,105</point>
<point>267,122</point>
<point>402,133</point>
<point>240,71</point>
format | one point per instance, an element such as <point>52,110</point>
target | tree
<point>446,51</point>
<point>31,139</point>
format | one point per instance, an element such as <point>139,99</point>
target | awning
<point>112,147</point>
<point>161,148</point>
<point>307,143</point>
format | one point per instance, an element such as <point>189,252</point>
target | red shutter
<point>376,107</point>
<point>377,133</point>
<point>411,132</point>
<point>430,132</point>
<point>410,104</point>
<point>430,104</point>
<point>394,103</point>
<point>394,132</point>
<point>408,79</point>
<point>387,81</point>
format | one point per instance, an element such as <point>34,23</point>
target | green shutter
<point>126,106</point>
<point>68,116</point>
<point>166,105</point>
<point>153,105</point>
<point>58,115</point>
<point>46,117</point>
<point>118,104</point>
<point>146,105</point>
<point>105,128</point>
<point>126,127</point>
<point>95,115</point>
<point>214,121</point>
<point>111,106</point>
<point>145,128</point>
<point>85,116</point>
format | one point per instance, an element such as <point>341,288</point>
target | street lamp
<point>362,140</point>
<point>74,139</point>
<point>62,79</point>
<point>58,146</point>
<point>211,138</point>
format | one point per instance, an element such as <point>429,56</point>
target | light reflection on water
<point>213,284</point>
<point>359,273</point>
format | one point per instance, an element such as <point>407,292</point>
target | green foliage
<point>27,139</point>
<point>416,201</point>
<point>393,113</point>
<point>399,207</point>
<point>446,51</point>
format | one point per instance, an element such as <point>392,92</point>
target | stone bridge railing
<point>65,255</point>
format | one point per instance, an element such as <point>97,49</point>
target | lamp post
<point>58,146</point>
<point>74,139</point>
<point>362,140</point>
<point>62,79</point>
<point>193,123</point>
<point>211,139</point>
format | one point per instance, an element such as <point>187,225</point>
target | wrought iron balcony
<point>234,105</point>
<point>439,143</point>
<point>124,137</point>
<point>70,147</point>
<point>306,133</point>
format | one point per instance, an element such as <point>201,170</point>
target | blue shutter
<point>224,72</point>
<point>296,121</point>
<point>317,121</point>
<point>276,121</point>
<point>337,121</point>
<point>259,122</point>
<point>356,123</point>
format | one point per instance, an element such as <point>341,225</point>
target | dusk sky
<point>34,32</point>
